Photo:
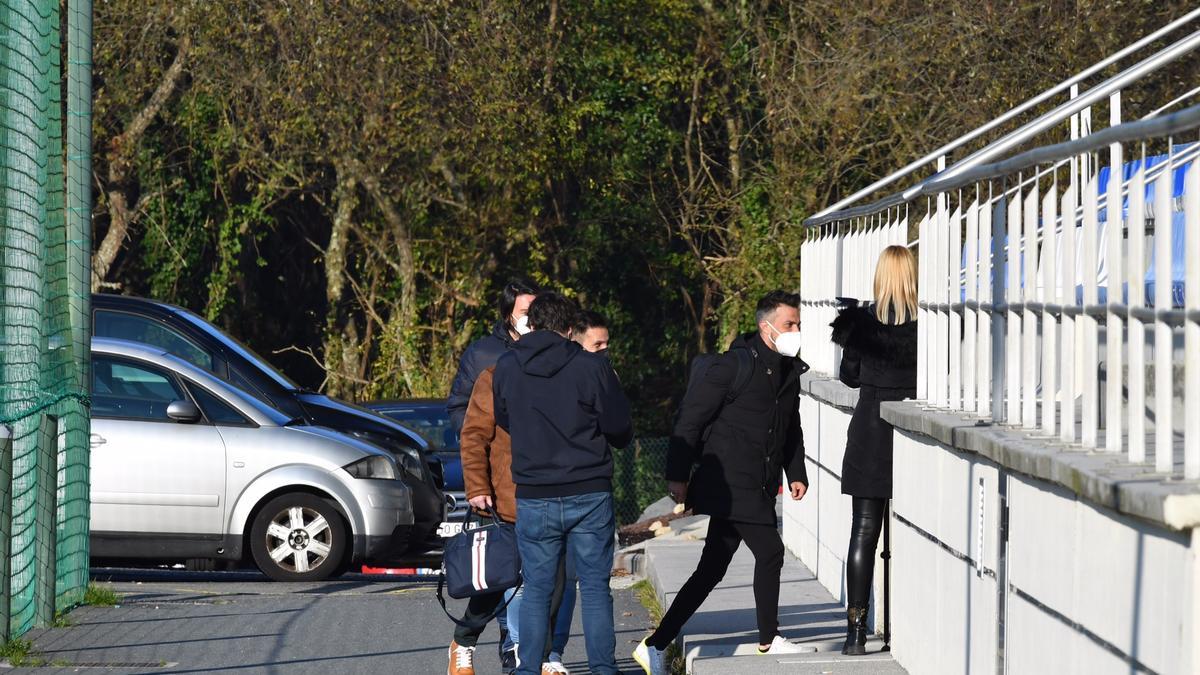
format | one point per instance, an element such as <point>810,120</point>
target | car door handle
<point>97,440</point>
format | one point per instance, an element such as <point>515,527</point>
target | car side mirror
<point>185,412</point>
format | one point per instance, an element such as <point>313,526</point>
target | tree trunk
<point>341,344</point>
<point>120,164</point>
<point>406,310</point>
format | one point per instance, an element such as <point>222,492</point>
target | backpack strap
<point>474,625</point>
<point>745,370</point>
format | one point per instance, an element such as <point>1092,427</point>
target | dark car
<point>190,337</point>
<point>428,417</point>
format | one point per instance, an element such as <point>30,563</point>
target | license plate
<point>449,529</point>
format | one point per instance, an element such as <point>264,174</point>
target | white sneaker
<point>554,668</point>
<point>650,659</point>
<point>781,645</point>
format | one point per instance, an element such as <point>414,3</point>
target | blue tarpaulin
<point>1176,232</point>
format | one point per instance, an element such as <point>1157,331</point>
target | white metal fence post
<point>1164,378</point>
<point>925,254</point>
<point>1136,282</point>
<point>1049,295</point>
<point>1191,360</point>
<point>1029,328</point>
<point>1066,297</point>
<point>999,316</point>
<point>970,350</point>
<point>1012,266</point>
<point>1089,273</point>
<point>954,297</point>
<point>1114,342</point>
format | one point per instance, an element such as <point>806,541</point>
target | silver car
<point>186,466</point>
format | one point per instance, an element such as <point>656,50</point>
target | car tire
<point>298,537</point>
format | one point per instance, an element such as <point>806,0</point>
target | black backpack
<point>700,365</point>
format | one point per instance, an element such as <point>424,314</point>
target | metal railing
<point>1035,303</point>
<point>844,208</point>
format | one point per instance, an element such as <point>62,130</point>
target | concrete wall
<point>817,528</point>
<point>1064,585</point>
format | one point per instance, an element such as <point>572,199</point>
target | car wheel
<point>298,537</point>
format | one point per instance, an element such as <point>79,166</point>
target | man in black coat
<point>739,430</point>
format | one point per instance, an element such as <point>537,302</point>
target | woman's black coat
<point>881,360</point>
<point>740,445</point>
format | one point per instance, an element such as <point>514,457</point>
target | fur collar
<point>857,328</point>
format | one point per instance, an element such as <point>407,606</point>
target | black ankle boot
<point>856,631</point>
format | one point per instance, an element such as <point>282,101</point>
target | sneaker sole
<point>644,662</point>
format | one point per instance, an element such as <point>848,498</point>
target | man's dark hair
<point>771,301</point>
<point>587,319</point>
<point>552,311</point>
<point>508,297</point>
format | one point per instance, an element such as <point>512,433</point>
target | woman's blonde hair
<point>896,286</point>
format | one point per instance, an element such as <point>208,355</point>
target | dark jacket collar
<point>500,330</point>
<point>762,351</point>
<point>769,357</point>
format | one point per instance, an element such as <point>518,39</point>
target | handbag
<point>480,560</point>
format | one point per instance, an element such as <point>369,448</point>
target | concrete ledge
<point>829,390</point>
<point>816,662</point>
<point>1102,478</point>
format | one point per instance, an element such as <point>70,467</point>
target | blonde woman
<point>879,357</point>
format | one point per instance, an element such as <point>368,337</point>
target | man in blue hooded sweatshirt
<point>563,407</point>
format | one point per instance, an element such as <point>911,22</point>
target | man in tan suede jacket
<point>486,452</point>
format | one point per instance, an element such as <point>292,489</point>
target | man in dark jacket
<point>563,407</point>
<point>483,353</point>
<point>739,429</point>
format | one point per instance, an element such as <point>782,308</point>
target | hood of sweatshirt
<point>543,353</point>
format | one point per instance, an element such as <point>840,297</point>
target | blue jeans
<point>502,620</point>
<point>562,621</point>
<point>546,530</point>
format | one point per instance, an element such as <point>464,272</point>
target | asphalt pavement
<point>172,621</point>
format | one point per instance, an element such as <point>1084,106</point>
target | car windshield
<point>432,422</point>
<point>241,349</point>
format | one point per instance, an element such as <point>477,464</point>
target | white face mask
<point>521,325</point>
<point>788,344</point>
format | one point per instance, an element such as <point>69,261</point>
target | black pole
<point>887,579</point>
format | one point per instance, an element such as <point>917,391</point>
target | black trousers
<point>481,608</point>
<point>865,526</point>
<point>724,537</point>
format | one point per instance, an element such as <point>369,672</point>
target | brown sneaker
<point>462,660</point>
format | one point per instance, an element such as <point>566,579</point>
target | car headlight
<point>374,466</point>
<point>410,459</point>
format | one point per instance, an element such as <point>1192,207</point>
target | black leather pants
<point>865,526</point>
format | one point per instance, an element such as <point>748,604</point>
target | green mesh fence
<point>638,478</point>
<point>45,276</point>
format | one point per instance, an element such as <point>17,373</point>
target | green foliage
<point>101,596</point>
<point>645,593</point>
<point>347,186</point>
<point>638,477</point>
<point>18,653</point>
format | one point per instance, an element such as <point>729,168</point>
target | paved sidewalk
<point>721,639</point>
<point>241,623</point>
